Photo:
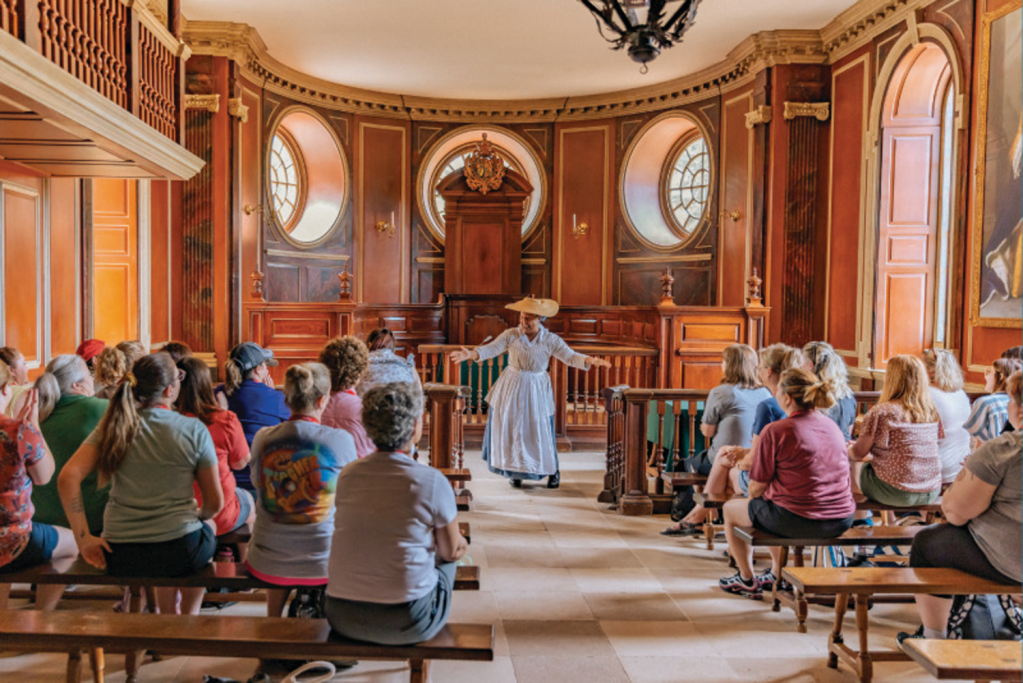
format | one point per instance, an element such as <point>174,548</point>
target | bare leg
<point>167,600</point>
<point>191,600</point>
<point>733,479</point>
<point>243,548</point>
<point>276,598</point>
<point>854,473</point>
<point>934,611</point>
<point>737,514</point>
<point>696,515</point>
<point>776,552</point>
<point>48,596</point>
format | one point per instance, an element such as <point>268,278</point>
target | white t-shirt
<point>953,410</point>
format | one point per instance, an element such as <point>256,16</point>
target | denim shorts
<point>245,505</point>
<point>38,550</point>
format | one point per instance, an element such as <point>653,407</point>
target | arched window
<point>286,187</point>
<point>687,184</point>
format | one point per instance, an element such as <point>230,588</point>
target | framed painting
<point>996,290</point>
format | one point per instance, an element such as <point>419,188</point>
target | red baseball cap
<point>90,348</point>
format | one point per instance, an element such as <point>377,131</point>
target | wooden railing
<point>11,12</point>
<point>579,405</point>
<point>158,81</point>
<point>445,405</point>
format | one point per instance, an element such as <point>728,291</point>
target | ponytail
<point>232,376</point>
<point>805,390</point>
<point>150,377</point>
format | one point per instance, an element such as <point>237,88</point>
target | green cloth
<point>65,429</point>
<point>878,490</point>
<point>668,439</point>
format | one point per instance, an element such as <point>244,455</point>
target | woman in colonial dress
<point>519,440</point>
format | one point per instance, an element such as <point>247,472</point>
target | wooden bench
<point>797,600</point>
<point>224,636</point>
<point>456,475</point>
<point>864,582</point>
<point>979,660</point>
<point>462,502</point>
<point>674,479</point>
<point>243,534</point>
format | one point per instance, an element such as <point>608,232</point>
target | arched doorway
<point>914,206</point>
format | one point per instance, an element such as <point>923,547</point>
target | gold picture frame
<point>996,282</point>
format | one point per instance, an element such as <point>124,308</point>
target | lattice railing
<point>158,79</point>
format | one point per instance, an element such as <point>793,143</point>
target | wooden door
<point>115,308</point>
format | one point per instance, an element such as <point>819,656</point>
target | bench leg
<point>74,667</point>
<point>133,660</point>
<point>98,664</point>
<point>708,529</point>
<point>862,623</point>
<point>420,671</point>
<point>841,605</point>
<point>776,592</point>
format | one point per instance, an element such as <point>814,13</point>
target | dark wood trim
<point>87,284</point>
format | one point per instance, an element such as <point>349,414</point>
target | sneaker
<point>735,584</point>
<point>903,636</point>
<point>516,483</point>
<point>766,580</point>
<point>859,560</point>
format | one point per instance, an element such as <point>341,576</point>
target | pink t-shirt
<point>344,411</point>
<point>803,461</point>
<point>905,453</point>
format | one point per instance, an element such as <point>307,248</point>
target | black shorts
<point>953,547</point>
<point>177,557</point>
<point>777,521</point>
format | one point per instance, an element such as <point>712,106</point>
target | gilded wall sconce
<point>579,229</point>
<point>389,228</point>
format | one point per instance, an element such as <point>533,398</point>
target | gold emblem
<point>484,168</point>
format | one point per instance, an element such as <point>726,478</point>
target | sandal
<point>690,529</point>
<point>672,531</point>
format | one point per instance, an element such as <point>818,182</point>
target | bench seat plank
<point>892,580</point>
<point>717,500</point>
<point>243,534</point>
<point>861,535</point>
<point>683,478</point>
<point>985,660</point>
<point>462,502</point>
<point>224,636</point>
<point>455,474</point>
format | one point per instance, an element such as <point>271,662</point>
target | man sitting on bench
<point>799,482</point>
<point>984,509</point>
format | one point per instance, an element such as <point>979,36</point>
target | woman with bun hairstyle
<point>900,434</point>
<point>109,366</point>
<point>151,456</point>
<point>830,369</point>
<point>346,359</point>
<point>295,467</point>
<point>799,481</point>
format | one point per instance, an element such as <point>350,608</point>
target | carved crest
<point>484,168</point>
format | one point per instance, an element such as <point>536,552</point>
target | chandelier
<point>640,26</point>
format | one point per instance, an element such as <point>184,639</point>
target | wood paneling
<point>22,296</point>
<point>160,261</point>
<point>115,260</point>
<point>383,190</point>
<point>735,240</point>
<point>64,273</point>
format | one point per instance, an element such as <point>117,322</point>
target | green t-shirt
<point>65,429</point>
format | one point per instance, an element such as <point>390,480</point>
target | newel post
<point>442,435</point>
<point>756,313</point>
<point>636,501</point>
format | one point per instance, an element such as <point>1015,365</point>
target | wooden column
<point>636,500</point>
<point>442,433</point>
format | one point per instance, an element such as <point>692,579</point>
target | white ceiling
<point>490,49</point>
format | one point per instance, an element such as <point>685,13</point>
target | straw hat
<point>545,308</point>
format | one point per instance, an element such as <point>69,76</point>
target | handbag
<point>984,617</point>
<point>682,502</point>
<point>308,603</point>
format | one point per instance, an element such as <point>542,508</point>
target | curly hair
<point>132,349</point>
<point>389,414</point>
<point>347,358</point>
<point>111,366</point>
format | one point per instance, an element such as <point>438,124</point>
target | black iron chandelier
<point>642,34</point>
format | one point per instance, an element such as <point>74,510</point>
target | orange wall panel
<point>22,233</point>
<point>160,267</point>
<point>115,260</point>
<point>63,281</point>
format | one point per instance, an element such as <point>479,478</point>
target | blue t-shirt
<point>256,406</point>
<point>768,411</point>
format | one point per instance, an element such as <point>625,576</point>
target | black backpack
<point>984,617</point>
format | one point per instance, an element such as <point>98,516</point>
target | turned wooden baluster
<point>677,422</point>
<point>691,407</point>
<point>484,367</point>
<point>586,395</point>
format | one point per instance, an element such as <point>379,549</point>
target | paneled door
<point>115,308</point>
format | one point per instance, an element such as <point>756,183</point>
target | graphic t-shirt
<point>294,469</point>
<point>20,446</point>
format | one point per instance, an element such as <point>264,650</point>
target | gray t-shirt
<point>999,529</point>
<point>388,506</point>
<point>151,495</point>
<point>295,467</point>
<point>732,409</point>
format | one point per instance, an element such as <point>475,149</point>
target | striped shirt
<point>988,416</point>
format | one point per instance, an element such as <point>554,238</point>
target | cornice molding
<point>858,25</point>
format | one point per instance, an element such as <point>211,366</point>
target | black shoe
<point>859,560</point>
<point>903,636</point>
<point>554,481</point>
<point>516,483</point>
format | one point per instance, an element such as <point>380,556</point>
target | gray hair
<point>389,414</point>
<point>67,369</point>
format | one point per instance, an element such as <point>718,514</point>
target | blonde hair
<point>6,376</point>
<point>806,390</point>
<point>943,369</point>
<point>149,378</point>
<point>110,366</point>
<point>740,366</point>
<point>132,350</point>
<point>830,368</point>
<point>781,357</point>
<point>304,385</point>
<point>1004,368</point>
<point>347,359</point>
<point>906,383</point>
<point>233,377</point>
<point>48,393</point>
<point>1014,387</point>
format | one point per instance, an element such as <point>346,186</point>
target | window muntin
<point>687,185</point>
<point>286,187</point>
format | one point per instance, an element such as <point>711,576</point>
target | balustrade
<point>11,12</point>
<point>157,84</point>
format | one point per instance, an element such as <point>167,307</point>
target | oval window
<point>687,184</point>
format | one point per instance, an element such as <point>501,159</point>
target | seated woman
<point>347,359</point>
<point>15,361</point>
<point>196,400</point>
<point>25,461</point>
<point>151,456</point>
<point>732,464</point>
<point>248,392</point>
<point>989,413</point>
<point>177,350</point>
<point>295,466</point>
<point>953,410</point>
<point>984,512</point>
<point>799,482</point>
<point>396,539</point>
<point>385,365</point>
<point>830,368</point>
<point>88,350</point>
<point>900,436</point>
<point>109,368</point>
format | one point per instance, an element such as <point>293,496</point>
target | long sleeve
<point>496,347</point>
<point>563,352</point>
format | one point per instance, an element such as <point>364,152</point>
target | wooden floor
<point>579,593</point>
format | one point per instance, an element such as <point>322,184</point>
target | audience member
<point>385,365</point>
<point>901,434</point>
<point>953,409</point>
<point>109,368</point>
<point>295,466</point>
<point>799,483</point>
<point>151,456</point>
<point>15,361</point>
<point>396,539</point>
<point>984,513</point>
<point>25,461</point>
<point>177,350</point>
<point>347,359</point>
<point>89,349</point>
<point>250,395</point>
<point>196,400</point>
<point>1013,353</point>
<point>830,369</point>
<point>989,413</point>
<point>132,349</point>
